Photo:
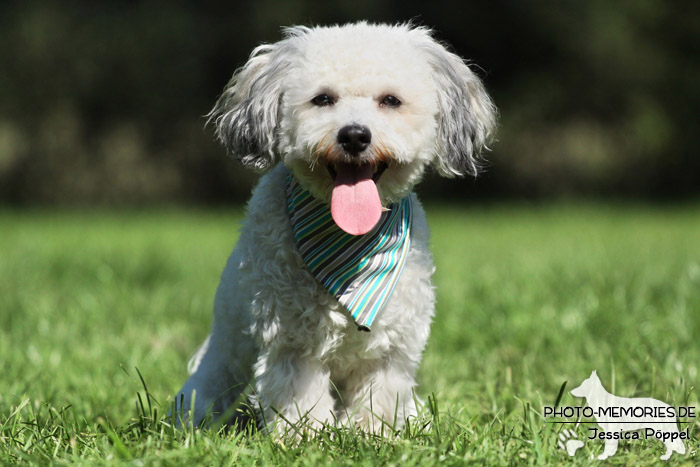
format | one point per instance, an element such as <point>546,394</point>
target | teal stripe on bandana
<point>360,271</point>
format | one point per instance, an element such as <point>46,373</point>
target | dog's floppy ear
<point>467,117</point>
<point>246,116</point>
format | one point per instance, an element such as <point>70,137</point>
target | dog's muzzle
<point>355,204</point>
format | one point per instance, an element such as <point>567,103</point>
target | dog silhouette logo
<point>626,418</point>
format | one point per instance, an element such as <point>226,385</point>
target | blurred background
<point>103,102</point>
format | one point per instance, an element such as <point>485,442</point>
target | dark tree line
<point>102,102</point>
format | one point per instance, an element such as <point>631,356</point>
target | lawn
<point>529,297</point>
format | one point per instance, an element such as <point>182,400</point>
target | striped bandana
<point>359,271</point>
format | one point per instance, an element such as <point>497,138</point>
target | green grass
<point>528,298</point>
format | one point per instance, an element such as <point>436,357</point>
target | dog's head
<point>357,112</point>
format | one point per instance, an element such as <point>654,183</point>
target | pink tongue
<point>355,204</point>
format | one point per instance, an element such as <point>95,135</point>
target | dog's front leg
<point>293,391</point>
<point>381,399</point>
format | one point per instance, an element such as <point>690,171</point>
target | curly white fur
<point>272,320</point>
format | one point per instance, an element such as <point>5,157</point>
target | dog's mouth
<point>355,204</point>
<point>377,170</point>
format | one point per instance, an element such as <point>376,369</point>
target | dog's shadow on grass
<point>245,419</point>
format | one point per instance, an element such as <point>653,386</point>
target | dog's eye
<point>390,101</point>
<point>322,100</point>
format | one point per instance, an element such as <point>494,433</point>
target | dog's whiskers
<point>383,154</point>
<point>319,150</point>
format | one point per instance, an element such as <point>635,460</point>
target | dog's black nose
<point>354,138</point>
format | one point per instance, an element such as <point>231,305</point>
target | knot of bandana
<point>360,271</point>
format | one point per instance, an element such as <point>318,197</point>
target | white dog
<point>346,119</point>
